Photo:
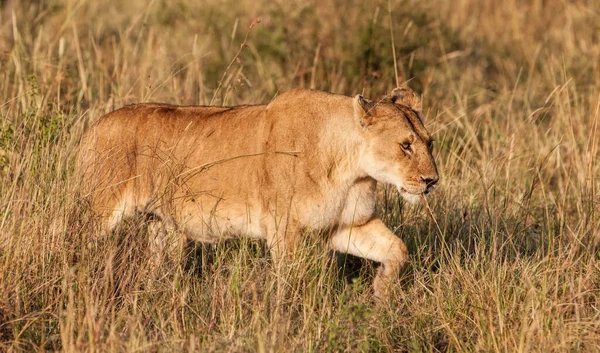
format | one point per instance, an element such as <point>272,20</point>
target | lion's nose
<point>430,181</point>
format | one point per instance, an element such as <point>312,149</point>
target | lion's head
<point>398,148</point>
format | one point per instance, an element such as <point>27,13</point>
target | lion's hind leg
<point>162,242</point>
<point>165,243</point>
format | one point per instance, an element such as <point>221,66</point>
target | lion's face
<point>398,148</point>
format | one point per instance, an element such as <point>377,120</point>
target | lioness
<point>307,160</point>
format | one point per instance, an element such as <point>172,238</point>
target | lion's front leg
<point>374,241</point>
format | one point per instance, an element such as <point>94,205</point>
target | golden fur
<point>307,160</point>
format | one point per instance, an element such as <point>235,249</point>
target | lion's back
<point>138,146</point>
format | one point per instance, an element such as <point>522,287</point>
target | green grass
<point>506,259</point>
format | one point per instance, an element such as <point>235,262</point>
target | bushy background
<point>505,259</point>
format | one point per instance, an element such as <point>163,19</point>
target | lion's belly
<point>209,219</point>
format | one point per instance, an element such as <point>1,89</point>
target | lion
<point>308,160</point>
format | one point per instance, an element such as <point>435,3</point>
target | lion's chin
<point>410,197</point>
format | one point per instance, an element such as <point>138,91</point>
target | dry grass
<point>509,262</point>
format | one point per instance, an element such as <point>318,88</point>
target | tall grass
<point>504,258</point>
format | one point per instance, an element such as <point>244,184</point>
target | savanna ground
<point>505,259</point>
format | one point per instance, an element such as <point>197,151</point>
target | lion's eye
<point>406,146</point>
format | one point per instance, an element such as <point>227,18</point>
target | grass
<point>506,258</point>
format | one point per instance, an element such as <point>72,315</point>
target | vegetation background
<point>505,258</point>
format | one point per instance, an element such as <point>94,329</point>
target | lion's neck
<point>342,143</point>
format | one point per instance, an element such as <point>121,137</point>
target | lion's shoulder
<point>300,100</point>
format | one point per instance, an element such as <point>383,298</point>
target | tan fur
<point>307,160</point>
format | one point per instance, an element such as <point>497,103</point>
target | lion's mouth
<point>405,191</point>
<point>421,192</point>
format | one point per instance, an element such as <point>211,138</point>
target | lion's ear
<point>407,97</point>
<point>363,110</point>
